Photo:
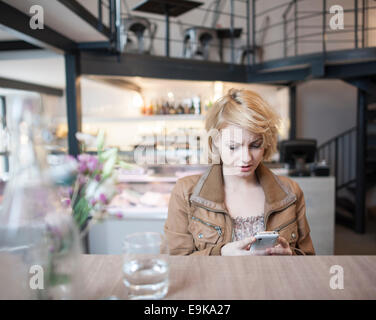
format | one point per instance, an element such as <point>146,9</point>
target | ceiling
<point>61,19</point>
<point>44,67</point>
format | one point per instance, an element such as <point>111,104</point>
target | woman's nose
<point>246,155</point>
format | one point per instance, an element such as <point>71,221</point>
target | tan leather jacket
<point>198,222</point>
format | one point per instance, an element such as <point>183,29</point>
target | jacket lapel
<point>209,190</point>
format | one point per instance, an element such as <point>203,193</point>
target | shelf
<point>144,179</point>
<point>154,213</point>
<point>166,117</point>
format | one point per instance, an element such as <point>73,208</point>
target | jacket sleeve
<point>304,244</point>
<point>179,239</point>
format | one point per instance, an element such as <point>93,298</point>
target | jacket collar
<point>209,190</point>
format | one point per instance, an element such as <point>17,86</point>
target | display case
<point>141,205</point>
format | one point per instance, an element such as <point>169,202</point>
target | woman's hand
<point>282,248</point>
<point>238,248</point>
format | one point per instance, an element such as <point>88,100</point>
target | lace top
<point>247,226</point>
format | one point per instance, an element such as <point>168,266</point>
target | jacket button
<point>200,235</point>
<point>293,235</point>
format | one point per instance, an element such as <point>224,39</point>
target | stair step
<point>370,182</point>
<point>371,179</point>
<point>345,203</point>
<point>370,171</point>
<point>371,114</point>
<point>352,189</point>
<point>371,152</point>
<point>344,219</point>
<point>371,140</point>
<point>371,161</point>
<point>371,128</point>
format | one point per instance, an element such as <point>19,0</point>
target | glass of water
<point>145,268</point>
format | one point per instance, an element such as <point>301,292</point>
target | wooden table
<point>241,278</point>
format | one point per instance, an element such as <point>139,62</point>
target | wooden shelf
<point>167,117</point>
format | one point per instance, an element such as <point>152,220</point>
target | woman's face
<point>240,150</point>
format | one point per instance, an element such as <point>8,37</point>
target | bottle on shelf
<point>180,109</point>
<point>192,108</point>
<point>150,110</point>
<point>198,109</point>
<point>171,109</point>
<point>165,107</point>
<point>186,108</point>
<point>143,109</point>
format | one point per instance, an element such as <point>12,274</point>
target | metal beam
<point>96,45</point>
<point>350,70</point>
<point>3,114</point>
<point>27,86</point>
<point>331,56</point>
<point>86,15</point>
<point>16,45</point>
<point>364,84</point>
<point>318,68</point>
<point>292,95</point>
<point>18,24</point>
<point>280,76</point>
<point>361,142</point>
<point>117,82</point>
<point>98,63</point>
<point>73,96</point>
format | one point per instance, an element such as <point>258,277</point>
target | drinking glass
<point>145,268</point>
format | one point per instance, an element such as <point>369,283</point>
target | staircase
<point>352,159</point>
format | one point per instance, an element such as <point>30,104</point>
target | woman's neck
<point>233,182</point>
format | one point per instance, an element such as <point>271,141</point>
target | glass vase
<point>39,242</point>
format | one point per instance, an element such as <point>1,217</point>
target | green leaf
<point>108,166</point>
<point>81,211</point>
<point>125,165</point>
<point>105,155</point>
<point>100,140</point>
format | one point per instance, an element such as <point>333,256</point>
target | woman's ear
<point>214,154</point>
<point>216,142</point>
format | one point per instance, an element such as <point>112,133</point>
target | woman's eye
<point>232,147</point>
<point>256,146</point>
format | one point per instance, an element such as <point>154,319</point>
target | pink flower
<point>119,215</point>
<point>67,202</point>
<point>88,164</point>
<point>81,179</point>
<point>92,164</point>
<point>103,198</point>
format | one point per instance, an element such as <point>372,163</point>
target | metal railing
<point>235,20</point>
<point>359,10</point>
<point>292,14</point>
<point>340,154</point>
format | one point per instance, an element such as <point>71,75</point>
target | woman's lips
<point>246,168</point>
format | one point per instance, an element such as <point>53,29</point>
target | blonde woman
<point>220,211</point>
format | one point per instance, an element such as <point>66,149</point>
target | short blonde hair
<point>249,111</point>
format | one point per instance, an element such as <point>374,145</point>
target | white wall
<point>325,108</point>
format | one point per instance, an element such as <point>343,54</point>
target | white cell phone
<point>264,240</point>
